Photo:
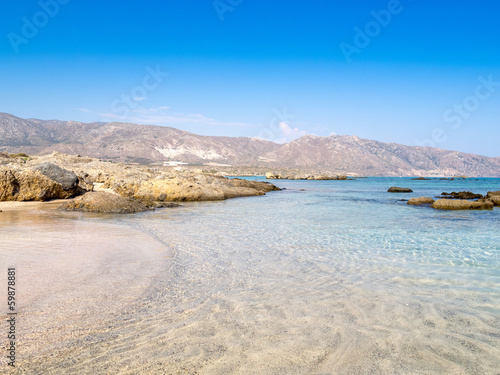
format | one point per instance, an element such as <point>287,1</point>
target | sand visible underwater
<point>243,287</point>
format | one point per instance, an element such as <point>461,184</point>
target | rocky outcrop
<point>451,204</point>
<point>493,194</point>
<point>260,186</point>
<point>64,176</point>
<point>495,200</point>
<point>421,178</point>
<point>396,189</point>
<point>460,195</point>
<point>420,201</point>
<point>277,176</point>
<point>272,176</point>
<point>189,187</point>
<point>67,179</point>
<point>102,202</point>
<point>32,185</point>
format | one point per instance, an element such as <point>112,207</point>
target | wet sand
<point>75,279</point>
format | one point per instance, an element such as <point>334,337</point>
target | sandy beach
<point>74,277</point>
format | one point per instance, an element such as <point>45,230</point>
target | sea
<point>323,277</point>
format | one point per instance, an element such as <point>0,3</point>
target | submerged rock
<point>102,202</point>
<point>161,204</point>
<point>420,201</point>
<point>396,189</point>
<point>449,204</point>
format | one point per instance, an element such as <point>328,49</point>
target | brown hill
<point>344,154</point>
<point>126,142</point>
<point>148,143</point>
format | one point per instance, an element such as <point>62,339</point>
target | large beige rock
<point>102,202</point>
<point>452,204</point>
<point>67,179</point>
<point>420,201</point>
<point>29,185</point>
<point>189,187</point>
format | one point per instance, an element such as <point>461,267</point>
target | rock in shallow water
<point>492,194</point>
<point>189,187</point>
<point>102,202</point>
<point>461,195</point>
<point>495,200</point>
<point>449,204</point>
<point>420,201</point>
<point>396,189</point>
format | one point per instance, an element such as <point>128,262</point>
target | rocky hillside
<point>126,142</point>
<point>350,154</point>
<point>147,143</point>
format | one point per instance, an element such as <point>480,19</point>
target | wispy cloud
<point>163,116</point>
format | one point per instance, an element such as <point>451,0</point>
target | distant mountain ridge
<point>149,143</point>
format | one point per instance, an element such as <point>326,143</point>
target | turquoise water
<point>325,277</point>
<point>330,277</point>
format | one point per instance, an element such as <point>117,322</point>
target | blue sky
<point>412,72</point>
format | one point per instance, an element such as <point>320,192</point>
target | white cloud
<point>287,134</point>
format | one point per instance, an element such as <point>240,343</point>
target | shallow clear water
<point>338,278</point>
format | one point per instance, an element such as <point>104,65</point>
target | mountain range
<point>146,144</point>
